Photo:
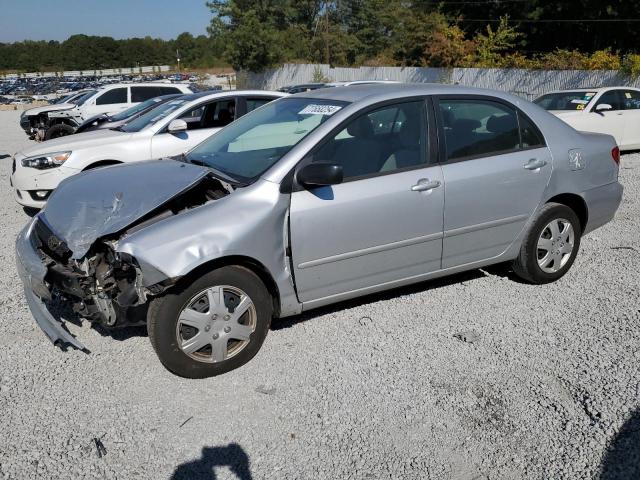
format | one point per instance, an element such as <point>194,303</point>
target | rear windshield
<point>566,101</point>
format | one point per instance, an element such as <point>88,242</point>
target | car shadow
<point>232,456</point>
<point>425,286</point>
<point>4,155</point>
<point>32,212</point>
<point>621,461</point>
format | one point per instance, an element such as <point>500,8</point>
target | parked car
<point>310,200</point>
<point>104,121</point>
<point>169,129</point>
<point>109,99</point>
<point>614,111</point>
<point>305,87</point>
<point>35,121</point>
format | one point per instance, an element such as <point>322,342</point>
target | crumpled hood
<point>104,201</point>
<point>76,142</point>
<point>48,108</point>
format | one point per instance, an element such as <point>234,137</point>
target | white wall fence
<point>91,73</point>
<point>525,83</point>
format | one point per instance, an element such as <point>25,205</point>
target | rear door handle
<point>534,164</point>
<point>425,184</point>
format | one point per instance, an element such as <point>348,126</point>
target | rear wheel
<point>57,131</point>
<point>550,246</point>
<point>213,325</point>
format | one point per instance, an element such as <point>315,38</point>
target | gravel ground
<point>376,388</point>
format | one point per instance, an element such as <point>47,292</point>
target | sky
<point>59,19</point>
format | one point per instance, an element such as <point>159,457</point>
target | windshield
<point>248,147</point>
<point>80,100</point>
<point>153,116</point>
<point>141,107</point>
<point>67,98</point>
<point>565,100</point>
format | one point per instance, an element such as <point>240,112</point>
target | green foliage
<point>631,66</point>
<point>82,52</point>
<point>490,47</point>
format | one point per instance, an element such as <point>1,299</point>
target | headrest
<point>447,117</point>
<point>501,124</point>
<point>409,134</point>
<point>361,127</point>
<point>224,116</point>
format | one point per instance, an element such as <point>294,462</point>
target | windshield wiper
<point>224,176</point>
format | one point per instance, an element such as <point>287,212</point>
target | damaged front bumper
<point>32,273</point>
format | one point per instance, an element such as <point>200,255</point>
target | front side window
<point>113,96</point>
<point>255,142</point>
<point>382,141</point>
<point>474,128</point>
<point>253,103</point>
<point>612,98</point>
<point>211,115</point>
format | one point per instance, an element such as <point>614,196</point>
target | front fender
<point>250,222</point>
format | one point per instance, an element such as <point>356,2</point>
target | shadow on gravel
<point>376,297</point>
<point>30,211</point>
<point>232,456</point>
<point>621,461</point>
<point>4,155</point>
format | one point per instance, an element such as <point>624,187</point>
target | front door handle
<point>534,164</point>
<point>425,184</point>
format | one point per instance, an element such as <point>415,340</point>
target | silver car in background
<point>310,200</point>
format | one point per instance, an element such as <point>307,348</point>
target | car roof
<point>595,89</point>
<point>226,93</point>
<point>370,93</point>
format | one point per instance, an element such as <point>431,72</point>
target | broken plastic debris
<point>468,337</point>
<point>265,390</point>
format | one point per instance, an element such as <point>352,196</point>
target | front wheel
<point>213,325</point>
<point>550,246</point>
<point>57,131</point>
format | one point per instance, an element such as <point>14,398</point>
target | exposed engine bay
<point>104,285</point>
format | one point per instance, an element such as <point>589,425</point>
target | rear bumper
<point>32,272</point>
<point>602,204</point>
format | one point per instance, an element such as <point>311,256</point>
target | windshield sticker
<point>627,94</point>
<point>581,102</point>
<point>319,110</point>
<point>580,107</point>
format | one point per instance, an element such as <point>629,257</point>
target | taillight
<point>615,154</point>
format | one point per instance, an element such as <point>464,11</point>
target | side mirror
<point>320,174</point>
<point>177,126</point>
<point>603,107</point>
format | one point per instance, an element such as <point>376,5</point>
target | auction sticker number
<point>319,110</point>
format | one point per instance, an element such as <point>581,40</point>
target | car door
<point>611,122</point>
<point>496,169</point>
<point>384,222</point>
<point>631,138</point>
<point>203,120</point>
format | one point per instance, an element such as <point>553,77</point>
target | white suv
<point>109,99</point>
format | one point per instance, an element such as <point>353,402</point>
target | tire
<point>550,260</point>
<point>59,130</point>
<point>230,345</point>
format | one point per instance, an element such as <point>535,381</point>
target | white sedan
<point>614,111</point>
<point>170,129</point>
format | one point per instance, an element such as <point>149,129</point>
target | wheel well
<point>248,263</point>
<point>575,203</point>
<point>101,163</point>
<point>60,121</point>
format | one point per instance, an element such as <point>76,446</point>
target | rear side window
<point>529,133</point>
<point>140,94</point>
<point>168,90</point>
<point>113,96</point>
<point>475,128</point>
<point>631,100</point>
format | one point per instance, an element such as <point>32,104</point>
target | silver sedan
<point>310,200</point>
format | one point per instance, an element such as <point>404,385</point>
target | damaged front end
<point>78,261</point>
